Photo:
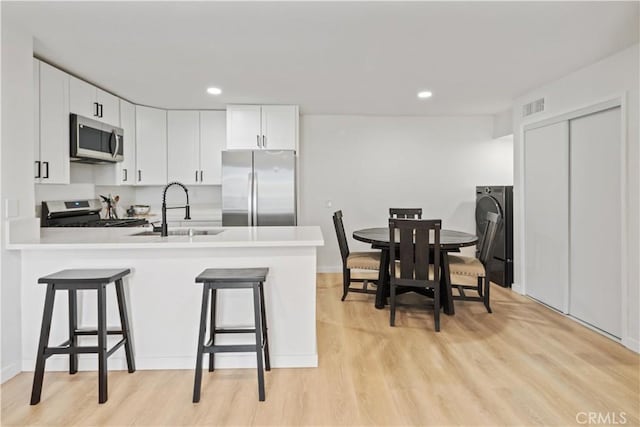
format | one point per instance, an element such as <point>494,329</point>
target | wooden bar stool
<point>232,278</point>
<point>72,281</point>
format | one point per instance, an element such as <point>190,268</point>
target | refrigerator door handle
<point>249,199</point>
<point>255,199</point>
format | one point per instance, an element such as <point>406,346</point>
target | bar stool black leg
<point>203,331</point>
<point>265,335</point>
<point>73,326</point>
<point>102,344</point>
<point>42,344</point>
<point>124,325</point>
<point>258,328</point>
<point>212,331</point>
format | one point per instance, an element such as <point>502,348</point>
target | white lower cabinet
<point>195,143</point>
<point>52,149</point>
<point>151,146</point>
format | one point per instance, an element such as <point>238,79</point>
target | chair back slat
<point>409,243</point>
<point>489,237</point>
<point>340,234</point>
<point>422,254</point>
<point>406,253</point>
<point>405,213</point>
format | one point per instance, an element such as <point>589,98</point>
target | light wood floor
<point>521,365</point>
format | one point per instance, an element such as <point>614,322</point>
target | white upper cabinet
<point>36,119</point>
<point>151,146</point>
<point>183,130</point>
<point>280,127</point>
<point>195,143</point>
<point>127,174</point>
<point>212,142</point>
<point>109,108</point>
<point>270,127</point>
<point>243,126</point>
<point>52,155</point>
<point>82,98</point>
<point>89,101</point>
<point>124,172</point>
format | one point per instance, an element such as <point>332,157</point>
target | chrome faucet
<point>164,229</point>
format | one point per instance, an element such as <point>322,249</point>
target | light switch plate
<point>11,208</point>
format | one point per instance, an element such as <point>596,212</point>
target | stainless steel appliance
<point>498,199</point>
<point>95,142</point>
<point>81,213</point>
<point>258,188</point>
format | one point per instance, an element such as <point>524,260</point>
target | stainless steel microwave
<point>95,142</point>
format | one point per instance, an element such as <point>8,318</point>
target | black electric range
<point>81,213</point>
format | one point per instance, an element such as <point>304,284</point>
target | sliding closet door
<point>546,230</point>
<point>595,200</point>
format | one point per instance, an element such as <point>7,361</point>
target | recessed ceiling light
<point>214,91</point>
<point>424,94</point>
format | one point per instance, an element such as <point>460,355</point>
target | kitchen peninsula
<point>163,298</point>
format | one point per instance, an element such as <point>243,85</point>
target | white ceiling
<point>328,57</point>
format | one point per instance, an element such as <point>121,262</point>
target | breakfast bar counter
<point>163,298</point>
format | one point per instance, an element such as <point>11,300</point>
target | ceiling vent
<point>533,107</point>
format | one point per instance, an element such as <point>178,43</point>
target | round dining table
<point>450,241</point>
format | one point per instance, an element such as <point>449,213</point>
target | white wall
<point>17,178</point>
<point>364,165</point>
<point>612,77</point>
<point>503,124</point>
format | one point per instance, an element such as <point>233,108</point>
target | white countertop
<point>124,238</point>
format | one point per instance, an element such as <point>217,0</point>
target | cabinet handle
<point>196,176</point>
<point>46,168</point>
<point>38,169</point>
<point>139,175</point>
<point>200,176</point>
<point>264,141</point>
<point>100,105</point>
<point>97,110</point>
<point>124,177</point>
<point>258,140</point>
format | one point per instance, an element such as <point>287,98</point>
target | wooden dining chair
<point>413,268</point>
<point>405,213</point>
<point>477,267</point>
<point>354,261</point>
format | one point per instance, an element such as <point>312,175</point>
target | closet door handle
<point>124,175</point>
<point>38,174</point>
<point>100,110</point>
<point>264,141</point>
<point>201,176</point>
<point>97,112</point>
<point>139,175</point>
<point>196,176</point>
<point>46,169</point>
<point>258,140</point>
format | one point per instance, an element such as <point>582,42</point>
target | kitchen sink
<point>181,232</point>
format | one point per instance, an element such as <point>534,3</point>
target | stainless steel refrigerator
<point>258,188</point>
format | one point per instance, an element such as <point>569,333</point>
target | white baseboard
<point>631,343</point>
<point>329,269</point>
<point>9,372</point>
<point>223,361</point>
<point>518,288</point>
